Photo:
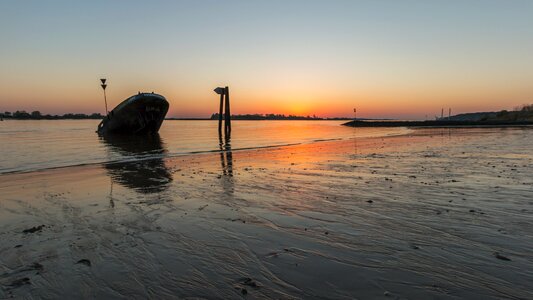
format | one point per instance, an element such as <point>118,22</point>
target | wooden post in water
<point>222,92</point>
<point>220,113</point>
<point>227,122</point>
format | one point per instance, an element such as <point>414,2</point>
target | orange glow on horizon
<point>333,100</point>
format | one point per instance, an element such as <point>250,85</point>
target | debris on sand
<point>246,282</point>
<point>237,219</point>
<point>20,282</point>
<point>499,256</point>
<point>249,282</point>
<point>36,266</point>
<point>33,229</point>
<point>84,262</point>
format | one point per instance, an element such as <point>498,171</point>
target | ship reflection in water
<point>147,173</point>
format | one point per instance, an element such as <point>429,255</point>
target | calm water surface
<point>35,145</point>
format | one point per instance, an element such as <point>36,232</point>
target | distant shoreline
<point>36,115</point>
<point>174,119</point>
<point>438,123</point>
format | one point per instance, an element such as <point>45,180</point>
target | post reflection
<point>354,141</point>
<point>226,161</point>
<point>147,173</point>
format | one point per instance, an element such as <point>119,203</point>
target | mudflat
<point>438,213</point>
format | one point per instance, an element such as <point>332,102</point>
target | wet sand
<point>440,213</point>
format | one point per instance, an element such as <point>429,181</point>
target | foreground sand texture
<point>438,214</point>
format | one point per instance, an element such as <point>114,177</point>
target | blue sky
<point>388,58</point>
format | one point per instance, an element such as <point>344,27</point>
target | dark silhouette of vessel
<point>139,114</point>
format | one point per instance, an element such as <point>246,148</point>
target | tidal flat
<point>433,214</point>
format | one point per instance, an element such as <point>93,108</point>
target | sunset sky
<point>403,59</point>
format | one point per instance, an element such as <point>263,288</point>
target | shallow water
<point>34,145</point>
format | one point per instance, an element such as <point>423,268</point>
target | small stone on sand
<point>33,229</point>
<point>499,256</point>
<point>84,262</point>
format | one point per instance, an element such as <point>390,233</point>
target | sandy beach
<point>436,214</point>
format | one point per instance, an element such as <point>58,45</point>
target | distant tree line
<point>267,117</point>
<point>36,115</point>
<point>519,114</point>
<point>524,108</point>
<point>273,117</point>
